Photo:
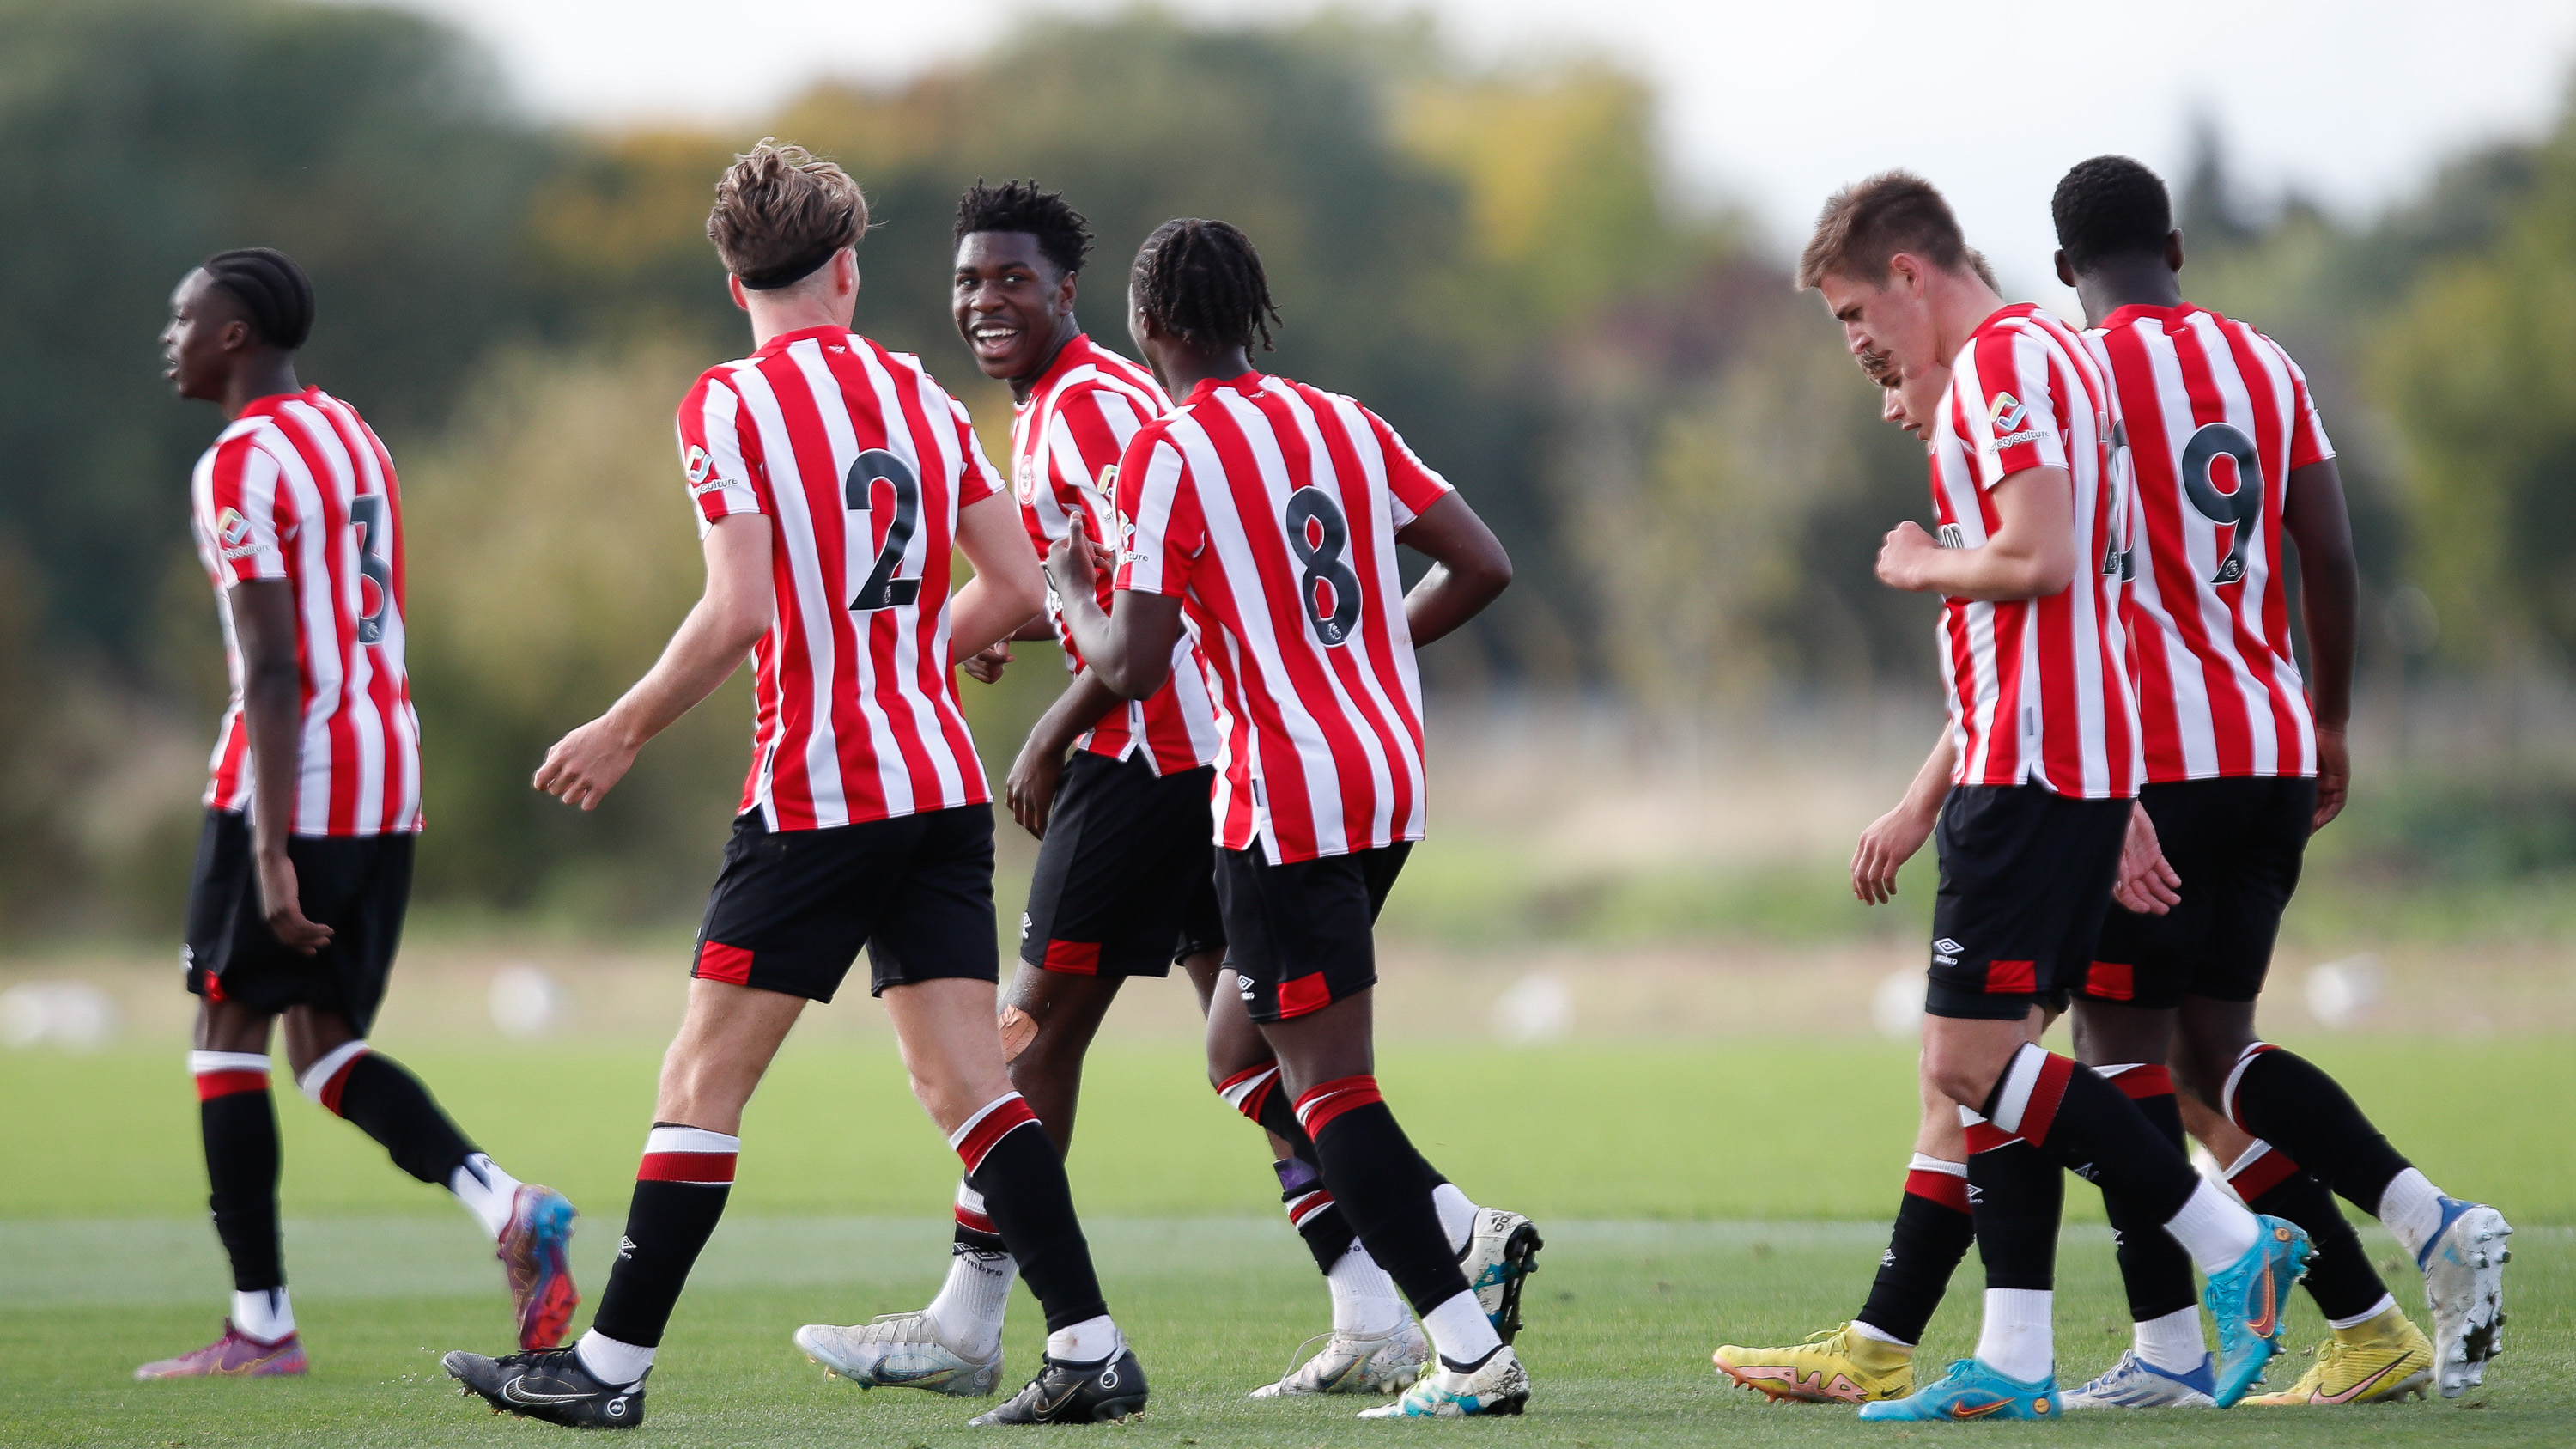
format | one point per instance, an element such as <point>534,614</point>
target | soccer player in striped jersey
<point>1123,885</point>
<point>2041,764</point>
<point>304,867</point>
<point>2245,757</point>
<point>1262,516</point>
<point>832,477</point>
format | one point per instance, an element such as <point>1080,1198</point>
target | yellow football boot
<point>1839,1366</point>
<point>2377,1362</point>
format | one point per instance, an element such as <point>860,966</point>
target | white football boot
<point>899,1351</point>
<point>1501,1253</point>
<point>1499,1386</point>
<point>1351,1364</point>
<point>2464,1287</point>
<point>2134,1383</point>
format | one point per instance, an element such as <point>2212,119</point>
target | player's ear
<point>2066,269</point>
<point>733,286</point>
<point>2173,249</point>
<point>1064,294</point>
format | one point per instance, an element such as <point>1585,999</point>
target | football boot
<point>900,1351</point>
<point>1499,1385</point>
<point>2464,1287</point>
<point>1970,1390</point>
<point>2134,1383</point>
<point>534,1251</point>
<point>236,1355</point>
<point>1501,1253</point>
<point>1351,1363</point>
<point>1838,1366</point>
<point>1065,1393</point>
<point>2377,1362</point>
<point>2247,1298</point>
<point>549,1384</point>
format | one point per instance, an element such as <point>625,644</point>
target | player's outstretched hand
<point>282,908</point>
<point>2334,775</point>
<point>585,765</point>
<point>1888,843</point>
<point>2148,883</point>
<point>1900,552</point>
<point>987,667</point>
<point>1030,790</point>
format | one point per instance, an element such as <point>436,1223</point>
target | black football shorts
<point>358,885</point>
<point>1123,884</point>
<point>2238,845</point>
<point>792,908</point>
<point>1299,937</point>
<point>2026,876</point>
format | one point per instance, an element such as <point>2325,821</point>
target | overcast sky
<point>2350,100</point>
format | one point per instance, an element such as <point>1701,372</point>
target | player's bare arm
<point>1006,594</point>
<point>273,707</point>
<point>2320,528</point>
<point>1128,647</point>
<point>1469,569</point>
<point>1891,839</point>
<point>986,666</point>
<point>709,645</point>
<point>2030,555</point>
<point>1030,790</point>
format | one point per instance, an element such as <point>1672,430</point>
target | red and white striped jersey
<point>2216,415</point>
<point>1065,444</point>
<point>299,488</point>
<point>2039,688</point>
<point>1271,508</point>
<point>861,462</point>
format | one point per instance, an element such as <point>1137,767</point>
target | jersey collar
<point>1247,381</point>
<point>260,407</point>
<point>2141,311</point>
<point>1076,351</point>
<point>785,340</point>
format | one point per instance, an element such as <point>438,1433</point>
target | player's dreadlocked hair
<point>1064,234</point>
<point>2110,206</point>
<point>272,290</point>
<point>1203,280</point>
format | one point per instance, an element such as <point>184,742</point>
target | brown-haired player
<point>832,479</point>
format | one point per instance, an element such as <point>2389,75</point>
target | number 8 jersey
<point>861,463</point>
<point>2216,416</point>
<point>299,490</point>
<point>1271,508</point>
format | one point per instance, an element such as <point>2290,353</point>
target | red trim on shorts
<point>1950,1192</point>
<point>704,1169</point>
<point>1327,1100</point>
<point>2012,978</point>
<point>720,962</point>
<point>2046,1095</point>
<point>2112,981</point>
<point>214,986</point>
<point>2263,1174</point>
<point>2144,1081</point>
<point>1299,995</point>
<point>211,1085</point>
<point>1073,958</point>
<point>1013,1113</point>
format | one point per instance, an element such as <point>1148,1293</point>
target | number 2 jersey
<point>861,463</point>
<point>299,490</point>
<point>1270,508</point>
<point>1065,444</point>
<point>2039,688</point>
<point>2216,416</point>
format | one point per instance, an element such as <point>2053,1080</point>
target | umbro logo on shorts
<point>625,1246</point>
<point>1945,952</point>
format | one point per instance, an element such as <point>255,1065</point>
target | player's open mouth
<point>994,338</point>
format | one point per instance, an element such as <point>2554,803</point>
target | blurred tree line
<point>1690,476</point>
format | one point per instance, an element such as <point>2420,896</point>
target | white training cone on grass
<point>526,1002</point>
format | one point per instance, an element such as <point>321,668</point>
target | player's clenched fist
<point>1075,563</point>
<point>585,765</point>
<point>986,667</point>
<point>1901,555</point>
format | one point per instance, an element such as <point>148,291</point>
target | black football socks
<point>1013,1163</point>
<point>680,1190</point>
<point>2153,1267</point>
<point>1320,1223</point>
<point>2285,1100</point>
<point>1933,1230</point>
<point>238,1119</point>
<point>389,1104</point>
<point>2347,1290</point>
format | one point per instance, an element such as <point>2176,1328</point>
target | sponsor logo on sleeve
<point>2007,416</point>
<point>232,535</point>
<point>702,472</point>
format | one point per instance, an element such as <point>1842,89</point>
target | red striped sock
<point>1321,1103</point>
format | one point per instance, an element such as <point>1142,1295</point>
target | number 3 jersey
<point>861,462</point>
<point>299,490</point>
<point>1271,508</point>
<point>1065,444</point>
<point>2216,416</point>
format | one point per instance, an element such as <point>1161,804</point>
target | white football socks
<point>1090,1341</point>
<point>2411,1208</point>
<point>2214,1228</point>
<point>2386,1302</point>
<point>2173,1342</point>
<point>1365,1301</point>
<point>1457,1215</point>
<point>967,1314</point>
<point>264,1314</point>
<point>1873,1331</point>
<point>2017,1339</point>
<point>1460,1331</point>
<point>486,1191</point>
<point>610,1361</point>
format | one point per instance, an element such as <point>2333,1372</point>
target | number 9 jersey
<point>861,463</point>
<point>1271,508</point>
<point>299,490</point>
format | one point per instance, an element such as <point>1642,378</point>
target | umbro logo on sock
<point>625,1246</point>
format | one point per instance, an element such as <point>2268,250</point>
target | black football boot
<point>548,1384</point>
<point>1063,1393</point>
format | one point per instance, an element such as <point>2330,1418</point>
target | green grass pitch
<point>1690,1196</point>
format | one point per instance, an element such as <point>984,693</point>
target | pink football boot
<point>236,1355</point>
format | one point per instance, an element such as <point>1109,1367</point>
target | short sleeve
<point>717,454</point>
<point>2308,440</point>
<point>977,479</point>
<point>1161,529</point>
<point>1411,482</point>
<point>249,514</point>
<point>1087,436</point>
<point>2017,420</point>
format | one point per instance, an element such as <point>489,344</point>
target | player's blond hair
<point>781,212</point>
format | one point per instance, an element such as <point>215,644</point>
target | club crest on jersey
<point>1027,481</point>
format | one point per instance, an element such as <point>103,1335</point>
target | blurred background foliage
<point>1690,478</point>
